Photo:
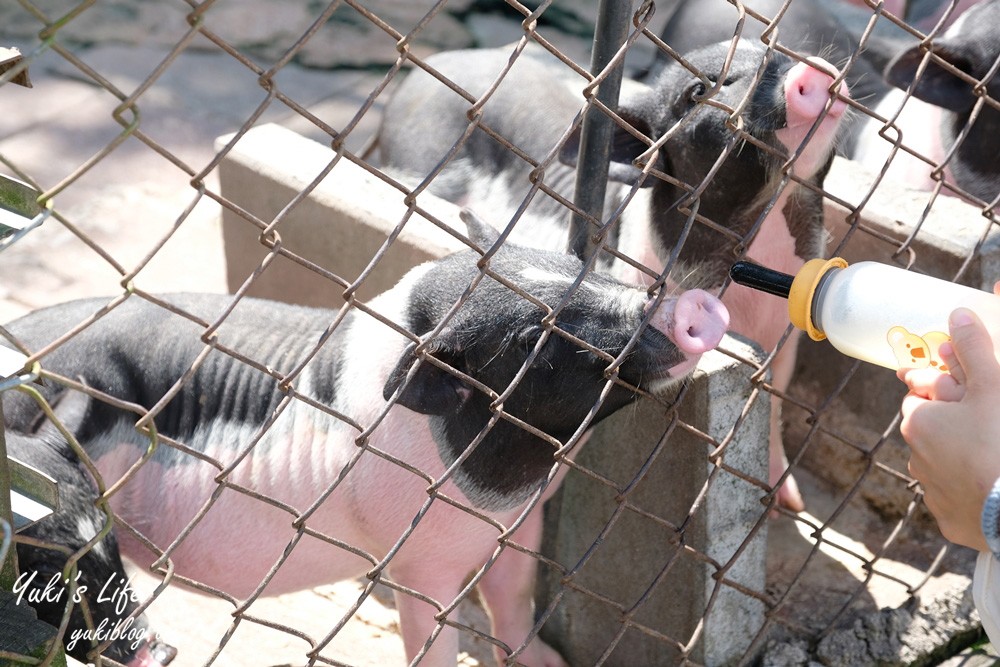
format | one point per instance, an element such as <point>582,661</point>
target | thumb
<point>973,346</point>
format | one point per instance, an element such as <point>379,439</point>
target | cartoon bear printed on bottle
<point>913,351</point>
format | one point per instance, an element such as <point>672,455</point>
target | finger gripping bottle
<point>870,311</point>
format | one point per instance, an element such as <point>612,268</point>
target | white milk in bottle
<point>871,311</point>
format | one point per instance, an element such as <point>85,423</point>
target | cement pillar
<point>638,556</point>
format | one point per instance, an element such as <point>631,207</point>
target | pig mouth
<point>655,357</point>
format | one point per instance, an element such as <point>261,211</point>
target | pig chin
<point>666,381</point>
<point>509,464</point>
<point>477,488</point>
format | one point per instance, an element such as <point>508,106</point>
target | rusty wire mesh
<point>866,543</point>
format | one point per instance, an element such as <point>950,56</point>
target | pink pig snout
<point>696,323</point>
<point>807,91</point>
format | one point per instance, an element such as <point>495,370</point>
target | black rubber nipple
<point>761,278</point>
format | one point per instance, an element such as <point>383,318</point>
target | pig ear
<point>936,85</point>
<point>625,147</point>
<point>480,232</point>
<point>431,390</point>
<point>71,411</point>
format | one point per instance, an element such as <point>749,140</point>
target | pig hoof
<point>788,495</point>
<point>155,653</point>
<point>162,652</point>
<point>537,654</point>
<point>540,654</point>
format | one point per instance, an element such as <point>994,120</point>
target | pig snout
<point>807,90</point>
<point>153,653</point>
<point>700,321</point>
<point>696,323</point>
<point>807,93</point>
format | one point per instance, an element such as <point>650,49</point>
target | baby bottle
<point>871,311</point>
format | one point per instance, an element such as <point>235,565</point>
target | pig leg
<point>781,376</point>
<point>508,589</point>
<point>417,622</point>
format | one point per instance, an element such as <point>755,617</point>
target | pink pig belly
<point>920,124</point>
<point>240,538</point>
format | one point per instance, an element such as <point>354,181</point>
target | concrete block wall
<point>946,234</point>
<point>341,225</point>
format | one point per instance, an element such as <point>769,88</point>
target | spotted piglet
<point>380,449</point>
<point>949,121</point>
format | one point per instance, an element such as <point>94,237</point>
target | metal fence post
<point>597,129</point>
<point>23,638</point>
<point>8,565</point>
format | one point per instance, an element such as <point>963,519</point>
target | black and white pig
<point>942,104</point>
<point>230,415</point>
<point>102,581</point>
<point>940,112</point>
<point>829,28</point>
<point>755,213</point>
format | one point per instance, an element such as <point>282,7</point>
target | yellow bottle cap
<point>800,297</point>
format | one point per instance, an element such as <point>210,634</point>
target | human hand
<point>952,424</point>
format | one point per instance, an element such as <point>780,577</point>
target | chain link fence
<point>136,110</point>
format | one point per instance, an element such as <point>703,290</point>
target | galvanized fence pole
<point>598,129</point>
<point>8,561</point>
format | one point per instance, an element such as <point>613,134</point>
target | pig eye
<point>529,336</point>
